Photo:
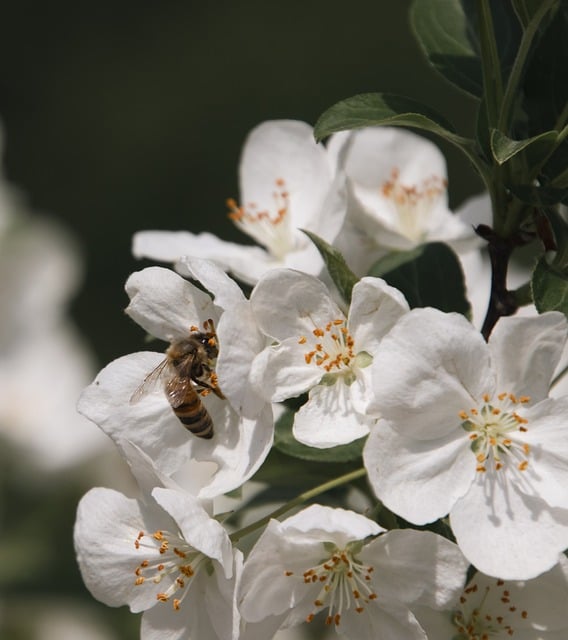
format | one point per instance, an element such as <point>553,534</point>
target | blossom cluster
<point>461,437</point>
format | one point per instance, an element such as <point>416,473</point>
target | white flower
<point>398,195</point>
<point>171,308</point>
<point>500,610</point>
<point>469,431</point>
<point>321,351</point>
<point>162,554</point>
<point>324,560</point>
<point>286,184</point>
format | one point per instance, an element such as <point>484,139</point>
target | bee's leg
<point>206,385</point>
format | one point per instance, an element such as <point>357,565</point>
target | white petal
<point>162,622</point>
<point>149,422</point>
<point>418,567</point>
<point>374,151</point>
<point>225,290</point>
<point>548,455</point>
<point>328,418</point>
<point>375,309</point>
<point>166,305</point>
<point>280,372</point>
<point>506,534</point>
<point>285,149</point>
<point>526,351</point>
<point>201,531</point>
<point>170,246</point>
<point>107,526</point>
<point>335,525</point>
<point>387,622</point>
<point>240,342</point>
<point>288,303</point>
<point>239,450</point>
<point>419,480</point>
<point>429,368</point>
<point>265,589</point>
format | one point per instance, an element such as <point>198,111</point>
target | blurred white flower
<point>44,363</point>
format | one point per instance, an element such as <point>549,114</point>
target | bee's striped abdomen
<point>194,416</point>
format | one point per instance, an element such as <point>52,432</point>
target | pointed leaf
<point>443,31</point>
<point>535,149</point>
<point>448,35</point>
<point>342,276</point>
<point>368,109</point>
<point>433,279</point>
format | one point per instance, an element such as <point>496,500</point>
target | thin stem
<point>298,500</point>
<point>491,66</point>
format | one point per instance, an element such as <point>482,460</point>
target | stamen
<point>169,556</point>
<point>270,227</point>
<point>344,584</point>
<point>495,429</point>
<point>413,203</point>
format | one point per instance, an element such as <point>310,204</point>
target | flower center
<point>413,203</point>
<point>270,227</point>
<point>332,348</point>
<point>496,430</point>
<point>343,582</point>
<point>168,557</point>
<point>474,622</point>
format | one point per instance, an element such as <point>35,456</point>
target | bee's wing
<point>150,381</point>
<point>177,389</point>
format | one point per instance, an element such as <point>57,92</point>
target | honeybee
<point>187,375</point>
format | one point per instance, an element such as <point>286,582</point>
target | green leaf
<point>372,109</point>
<point>549,288</point>
<point>535,149</point>
<point>443,31</point>
<point>447,32</point>
<point>433,279</point>
<point>394,260</point>
<point>285,442</point>
<point>368,109</point>
<point>342,276</point>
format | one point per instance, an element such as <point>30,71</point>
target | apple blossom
<point>498,609</point>
<point>171,308</point>
<point>320,351</point>
<point>162,554</point>
<point>287,183</point>
<point>397,185</point>
<point>331,561</point>
<point>468,430</point>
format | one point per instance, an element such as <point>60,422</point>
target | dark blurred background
<point>123,116</point>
